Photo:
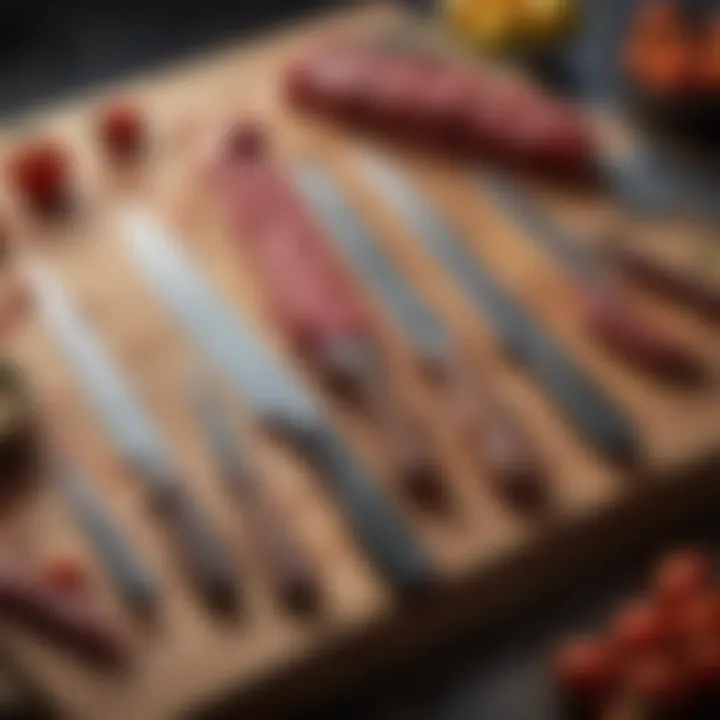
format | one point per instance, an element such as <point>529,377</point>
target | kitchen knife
<point>503,445</point>
<point>585,405</point>
<point>278,400</point>
<point>313,300</point>
<point>608,315</point>
<point>288,565</point>
<point>129,573</point>
<point>137,440</point>
<point>23,427</point>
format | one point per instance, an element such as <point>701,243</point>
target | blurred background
<point>48,49</point>
<point>51,49</point>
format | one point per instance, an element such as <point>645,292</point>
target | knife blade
<point>609,316</point>
<point>313,300</point>
<point>128,572</point>
<point>288,565</point>
<point>356,243</point>
<point>584,404</point>
<point>277,398</point>
<point>137,441</point>
<point>503,444</point>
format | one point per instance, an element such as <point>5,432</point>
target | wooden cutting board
<point>486,555</point>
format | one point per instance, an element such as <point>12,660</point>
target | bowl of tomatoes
<point>671,62</point>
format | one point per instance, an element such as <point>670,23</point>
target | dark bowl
<point>690,116</point>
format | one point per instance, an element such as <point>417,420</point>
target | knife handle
<point>131,576</point>
<point>379,530</point>
<point>675,286</point>
<point>631,337</point>
<point>206,559</point>
<point>289,567</point>
<point>356,361</point>
<point>502,444</point>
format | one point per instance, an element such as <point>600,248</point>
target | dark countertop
<point>49,49</point>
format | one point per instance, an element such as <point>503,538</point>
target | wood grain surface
<point>484,551</point>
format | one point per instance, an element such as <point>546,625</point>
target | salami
<point>441,104</point>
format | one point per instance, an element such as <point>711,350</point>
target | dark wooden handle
<point>381,532</point>
<point>503,446</point>
<point>200,548</point>
<point>358,364</point>
<point>290,569</point>
<point>631,337</point>
<point>64,618</point>
<point>673,285</point>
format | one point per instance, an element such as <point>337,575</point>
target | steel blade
<point>274,395</point>
<point>139,444</point>
<point>131,430</point>
<point>355,241</point>
<point>580,261</point>
<point>209,320</point>
<point>583,403</point>
<point>127,570</point>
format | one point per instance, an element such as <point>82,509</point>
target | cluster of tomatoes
<point>661,655</point>
<point>668,53</point>
<point>40,171</point>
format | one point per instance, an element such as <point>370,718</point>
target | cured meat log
<point>314,300</point>
<point>64,617</point>
<point>441,104</point>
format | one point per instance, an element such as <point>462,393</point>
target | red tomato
<point>703,663</point>
<point>698,617</point>
<point>122,128</point>
<point>680,576</point>
<point>637,628</point>
<point>658,679</point>
<point>65,572</point>
<point>585,665</point>
<point>40,173</point>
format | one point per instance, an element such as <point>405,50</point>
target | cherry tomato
<point>698,617</point>
<point>658,679</point>
<point>40,173</point>
<point>585,665</point>
<point>637,628</point>
<point>707,65</point>
<point>680,576</point>
<point>122,128</point>
<point>65,572</point>
<point>703,663</point>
